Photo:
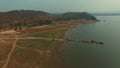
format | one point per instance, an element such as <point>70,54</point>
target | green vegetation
<point>36,43</point>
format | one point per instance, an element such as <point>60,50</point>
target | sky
<point>62,5</point>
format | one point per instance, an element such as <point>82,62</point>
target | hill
<point>75,16</point>
<point>17,19</point>
<point>12,19</point>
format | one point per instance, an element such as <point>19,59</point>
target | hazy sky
<point>62,5</point>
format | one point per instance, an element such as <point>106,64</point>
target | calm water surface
<point>83,55</point>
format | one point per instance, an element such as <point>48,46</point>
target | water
<point>83,55</point>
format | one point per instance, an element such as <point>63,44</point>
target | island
<point>34,39</point>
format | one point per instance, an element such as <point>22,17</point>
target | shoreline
<point>50,50</point>
<point>62,45</point>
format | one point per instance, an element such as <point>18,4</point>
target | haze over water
<point>84,55</point>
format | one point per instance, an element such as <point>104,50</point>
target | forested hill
<point>28,18</point>
<point>75,16</point>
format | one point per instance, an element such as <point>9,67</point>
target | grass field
<point>34,53</point>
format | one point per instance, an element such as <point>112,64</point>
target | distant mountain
<point>27,18</point>
<point>75,16</point>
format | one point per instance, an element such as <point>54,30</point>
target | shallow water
<point>84,55</point>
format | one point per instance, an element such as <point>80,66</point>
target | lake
<point>87,55</point>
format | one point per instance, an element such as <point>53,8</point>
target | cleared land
<point>36,47</point>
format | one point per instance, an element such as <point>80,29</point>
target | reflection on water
<point>84,55</point>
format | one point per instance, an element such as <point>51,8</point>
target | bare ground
<point>27,53</point>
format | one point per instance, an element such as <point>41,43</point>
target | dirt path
<point>10,54</point>
<point>42,38</point>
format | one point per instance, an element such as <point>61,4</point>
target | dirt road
<point>10,54</point>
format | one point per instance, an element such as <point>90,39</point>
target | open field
<point>36,47</point>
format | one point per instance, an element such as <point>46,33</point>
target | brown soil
<point>34,53</point>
